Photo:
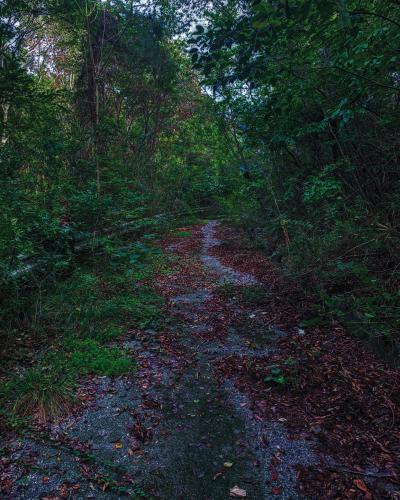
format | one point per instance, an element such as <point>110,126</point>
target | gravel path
<point>171,430</point>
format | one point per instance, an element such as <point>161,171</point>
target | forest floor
<point>229,399</point>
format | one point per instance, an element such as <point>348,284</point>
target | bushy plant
<point>42,392</point>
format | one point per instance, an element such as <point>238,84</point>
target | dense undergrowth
<point>358,292</point>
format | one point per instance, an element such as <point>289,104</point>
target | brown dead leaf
<point>362,487</point>
<point>64,493</point>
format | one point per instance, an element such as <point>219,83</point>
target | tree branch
<point>375,14</point>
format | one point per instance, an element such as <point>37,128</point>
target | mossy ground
<point>75,321</point>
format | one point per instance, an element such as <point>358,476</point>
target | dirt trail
<point>172,430</point>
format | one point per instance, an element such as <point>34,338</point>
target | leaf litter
<point>229,389</point>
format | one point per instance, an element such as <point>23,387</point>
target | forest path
<point>177,428</point>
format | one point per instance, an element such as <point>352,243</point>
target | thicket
<point>311,93</point>
<point>101,123</point>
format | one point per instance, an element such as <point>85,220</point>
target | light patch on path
<point>226,274</point>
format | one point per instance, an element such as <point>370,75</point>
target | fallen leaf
<point>238,492</point>
<point>274,476</point>
<point>118,445</point>
<point>228,465</point>
<point>362,487</point>
<point>64,493</point>
<point>46,479</point>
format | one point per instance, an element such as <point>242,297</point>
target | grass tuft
<point>40,392</point>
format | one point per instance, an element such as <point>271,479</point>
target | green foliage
<point>276,376</point>
<point>84,357</point>
<point>281,375</point>
<point>182,234</point>
<point>107,333</point>
<point>89,302</point>
<point>311,93</point>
